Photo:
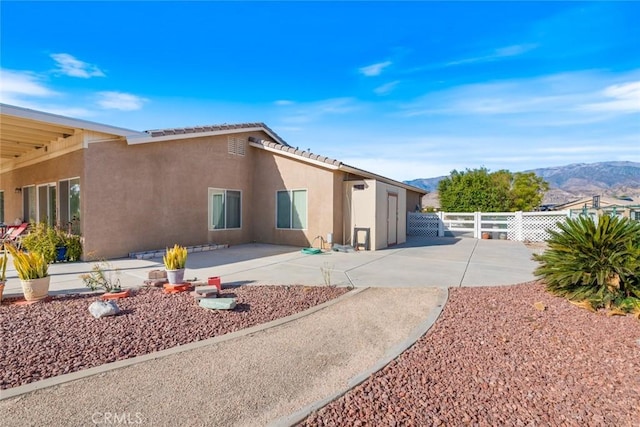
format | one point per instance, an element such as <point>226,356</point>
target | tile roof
<point>296,151</point>
<point>213,128</point>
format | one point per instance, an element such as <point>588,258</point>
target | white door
<point>392,219</point>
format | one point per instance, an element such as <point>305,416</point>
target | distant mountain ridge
<point>575,180</point>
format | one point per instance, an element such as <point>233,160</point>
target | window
<point>225,209</point>
<point>1,207</point>
<point>29,204</point>
<point>291,209</point>
<point>70,204</point>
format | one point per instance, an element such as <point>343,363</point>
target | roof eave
<point>145,138</point>
<point>41,116</point>
<point>371,175</point>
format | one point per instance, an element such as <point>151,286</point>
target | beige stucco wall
<point>382,214</point>
<point>273,172</point>
<point>413,199</point>
<point>149,196</point>
<point>368,208</point>
<point>360,210</point>
<point>49,171</point>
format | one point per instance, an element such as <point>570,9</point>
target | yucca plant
<point>29,265</point>
<point>3,264</point>
<point>175,258</point>
<point>597,262</point>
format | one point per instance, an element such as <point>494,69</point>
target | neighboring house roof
<point>605,202</point>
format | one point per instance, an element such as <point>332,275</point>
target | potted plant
<point>33,272</point>
<point>175,261</point>
<point>3,270</point>
<point>54,243</point>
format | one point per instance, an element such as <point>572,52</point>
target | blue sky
<point>405,89</point>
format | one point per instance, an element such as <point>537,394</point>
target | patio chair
<point>14,234</point>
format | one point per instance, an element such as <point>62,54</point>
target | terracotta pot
<point>35,289</point>
<point>486,235</point>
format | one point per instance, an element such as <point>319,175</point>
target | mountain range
<point>570,182</point>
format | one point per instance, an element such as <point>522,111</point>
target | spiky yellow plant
<point>29,265</point>
<point>3,264</point>
<point>175,258</point>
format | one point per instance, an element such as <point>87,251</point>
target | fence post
<point>477,225</point>
<point>441,224</point>
<point>519,226</point>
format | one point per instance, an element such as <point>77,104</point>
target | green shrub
<point>44,240</point>
<point>597,262</point>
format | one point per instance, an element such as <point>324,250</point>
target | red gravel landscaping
<point>493,359</point>
<point>52,338</point>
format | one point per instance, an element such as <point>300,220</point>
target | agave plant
<point>175,258</point>
<point>597,262</point>
<point>29,265</point>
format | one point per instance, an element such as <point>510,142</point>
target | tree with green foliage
<point>527,191</point>
<point>479,190</point>
<point>596,263</point>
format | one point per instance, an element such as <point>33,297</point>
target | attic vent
<point>236,146</point>
<point>358,187</point>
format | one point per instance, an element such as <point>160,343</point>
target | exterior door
<point>392,219</point>
<point>47,204</point>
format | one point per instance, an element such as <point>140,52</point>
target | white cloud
<point>120,101</point>
<point>374,69</point>
<point>309,112</point>
<point>70,66</point>
<point>560,98</point>
<point>496,54</point>
<point>626,99</point>
<point>282,102</point>
<point>386,88</point>
<point>17,84</point>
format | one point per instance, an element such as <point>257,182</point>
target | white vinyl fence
<point>520,226</point>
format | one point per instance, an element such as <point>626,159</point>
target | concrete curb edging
<point>96,370</point>
<point>391,354</point>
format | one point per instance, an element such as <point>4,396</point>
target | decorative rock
<point>207,289</point>
<point>100,309</point>
<point>540,306</point>
<point>218,303</point>
<point>200,296</point>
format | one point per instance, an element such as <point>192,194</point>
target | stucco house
<point>127,191</point>
<point>599,205</point>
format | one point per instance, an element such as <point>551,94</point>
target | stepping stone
<point>218,303</point>
<point>206,295</point>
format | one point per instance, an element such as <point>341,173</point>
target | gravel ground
<point>49,339</point>
<point>493,359</point>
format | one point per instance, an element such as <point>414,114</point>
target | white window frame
<point>306,219</point>
<point>212,191</point>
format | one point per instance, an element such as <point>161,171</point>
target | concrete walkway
<point>274,373</point>
<point>428,262</point>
